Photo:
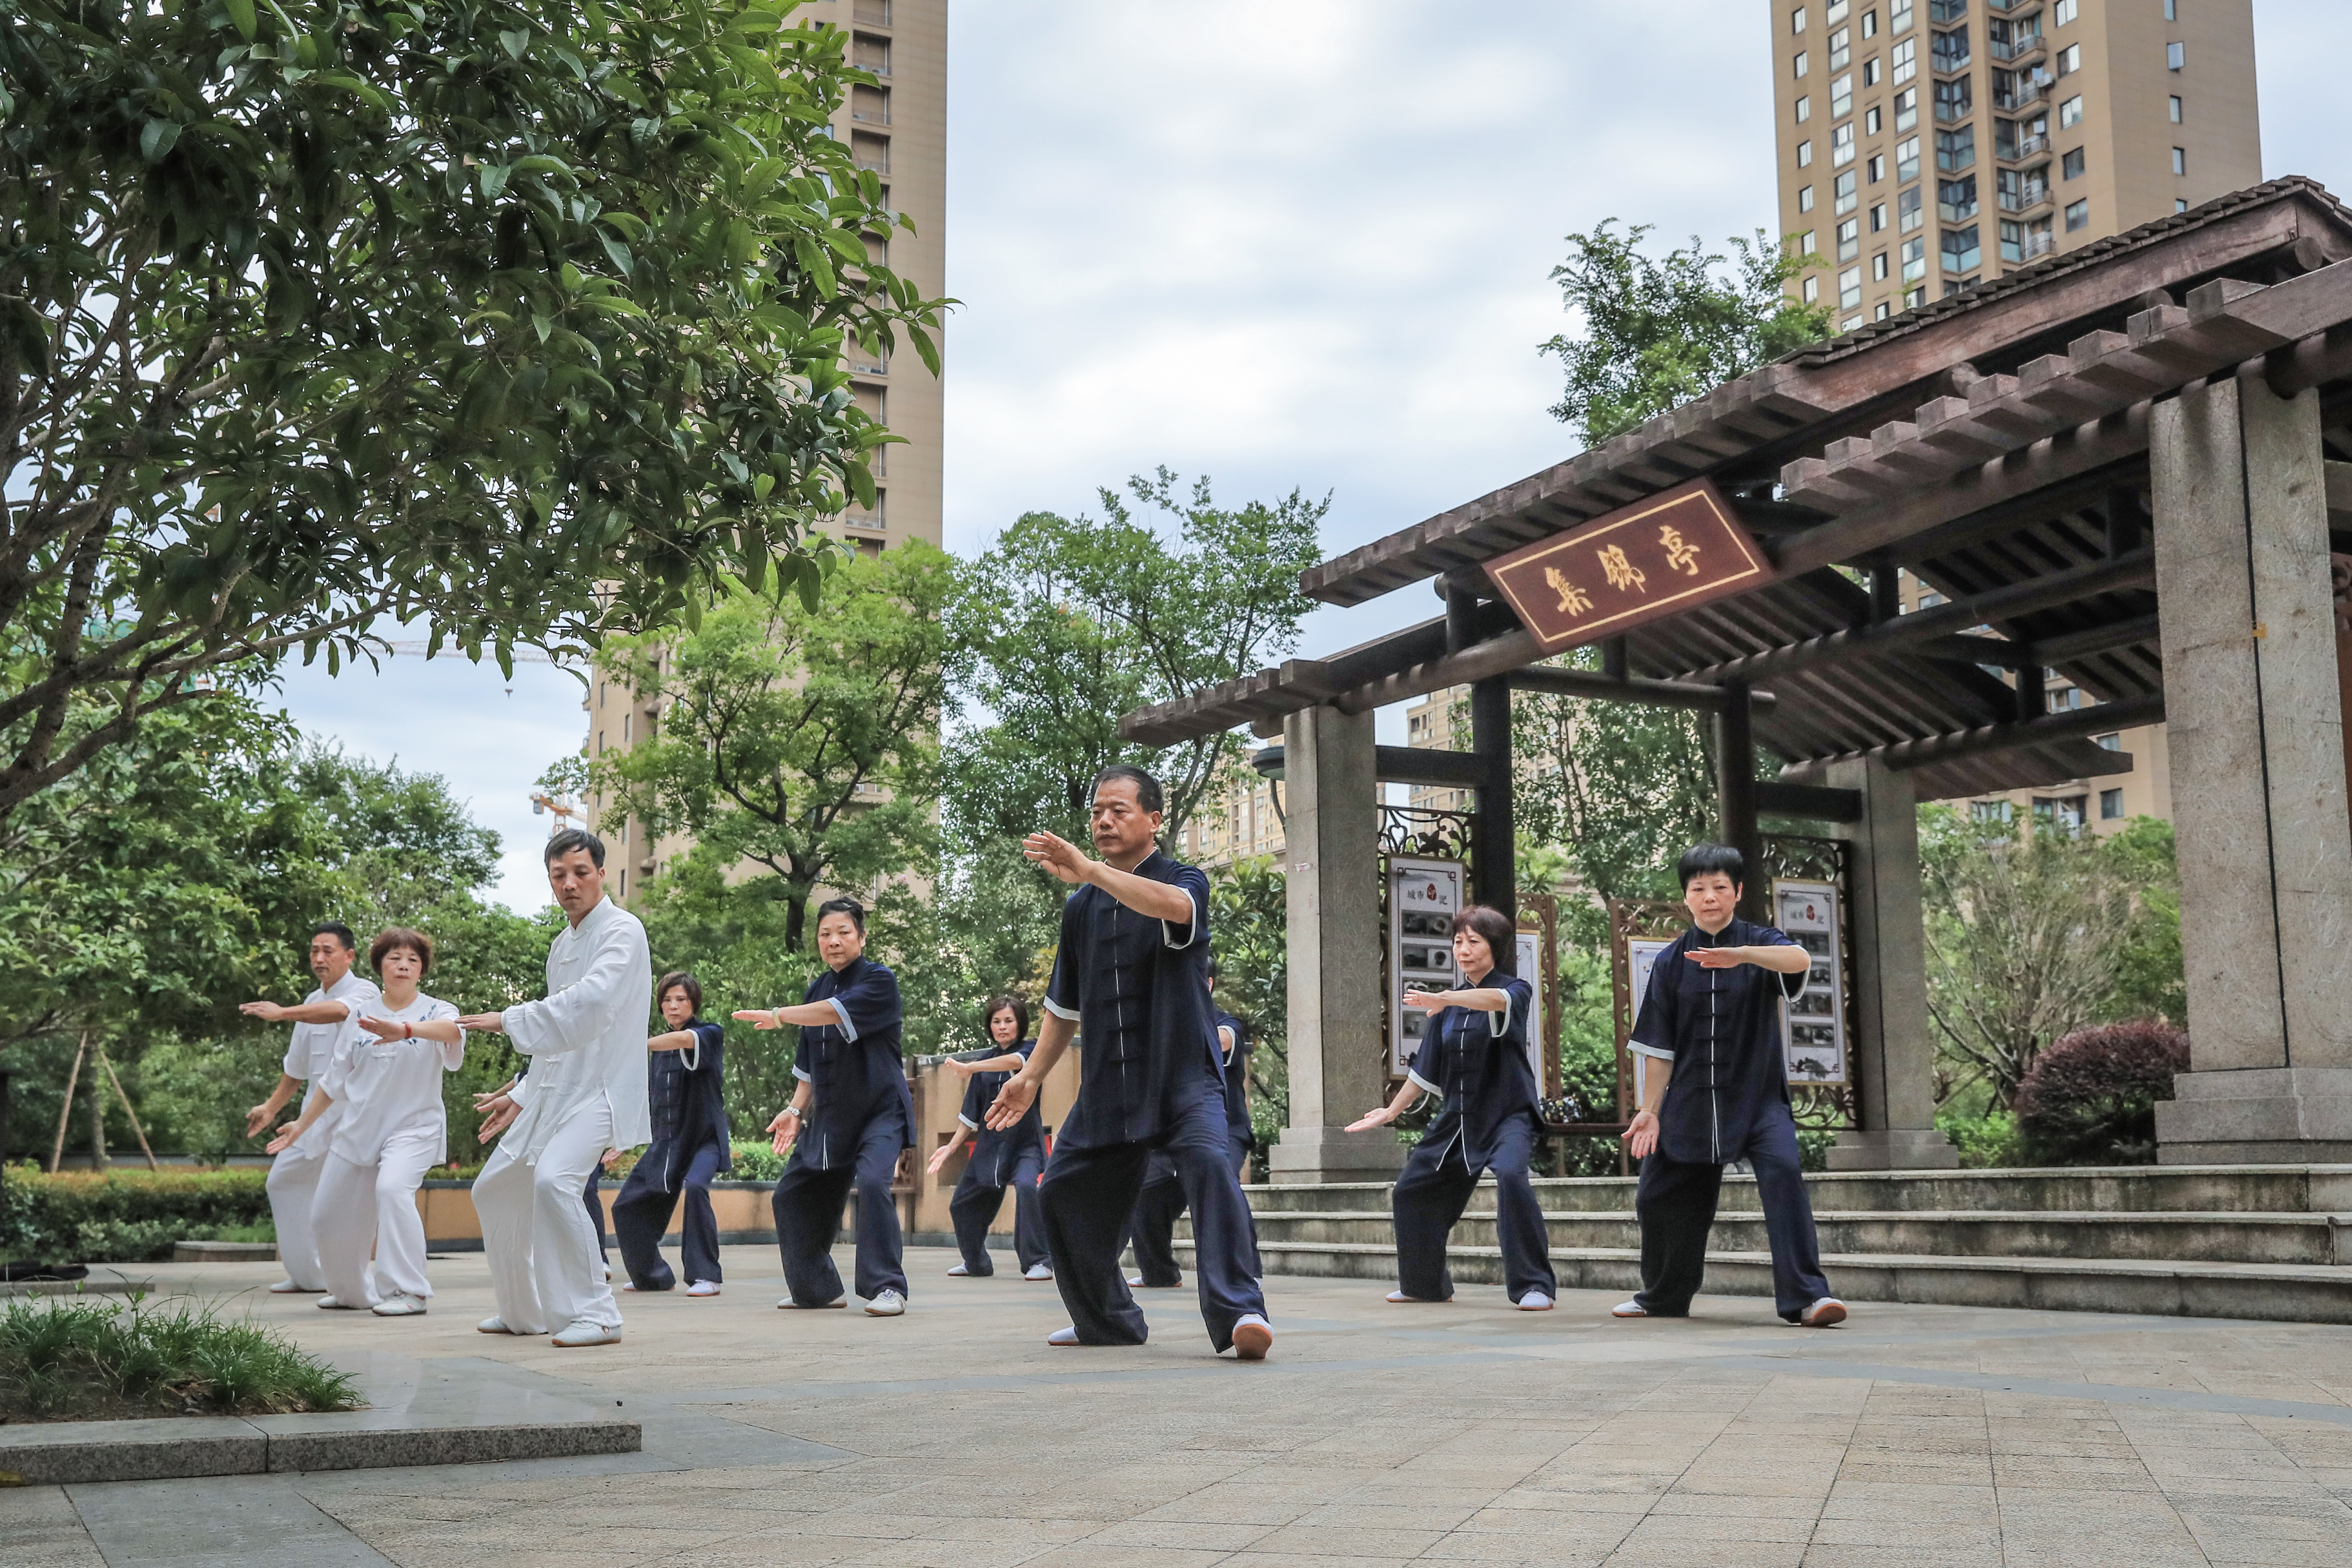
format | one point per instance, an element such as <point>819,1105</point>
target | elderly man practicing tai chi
<point>325,1029</point>
<point>587,1094</point>
<point>1130,979</point>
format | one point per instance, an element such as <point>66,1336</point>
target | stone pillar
<point>1892,1052</point>
<point>1332,815</point>
<point>2257,719</point>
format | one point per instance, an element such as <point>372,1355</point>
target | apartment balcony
<point>2007,50</point>
<point>2026,147</point>
<point>873,65</point>
<point>2034,244</point>
<point>2025,197</point>
<point>2022,95</point>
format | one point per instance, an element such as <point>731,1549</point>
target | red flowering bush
<point>2090,1099</point>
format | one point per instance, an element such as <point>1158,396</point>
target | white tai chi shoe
<point>1628,1310</point>
<point>1402,1299</point>
<point>329,1304</point>
<point>494,1326</point>
<point>788,1305</point>
<point>400,1306</point>
<point>1038,1272</point>
<point>888,1304</point>
<point>288,1287</point>
<point>584,1332</point>
<point>703,1288</point>
<point>1535,1301</point>
<point>1253,1337</point>
<point>959,1272</point>
<point>1064,1336</point>
<point>1829,1310</point>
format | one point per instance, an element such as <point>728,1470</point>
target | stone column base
<point>1305,1155</point>
<point>1900,1149</point>
<point>2257,1116</point>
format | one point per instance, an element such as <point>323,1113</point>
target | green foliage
<point>1249,926</point>
<point>2151,981</point>
<point>755,1160</point>
<point>68,1359</point>
<point>800,738</point>
<point>1655,331</point>
<point>524,321</point>
<point>123,1216</point>
<point>1987,1140</point>
<point>1588,1051</point>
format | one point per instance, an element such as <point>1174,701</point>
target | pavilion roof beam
<point>2081,721</point>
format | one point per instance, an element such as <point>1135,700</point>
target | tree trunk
<point>797,894</point>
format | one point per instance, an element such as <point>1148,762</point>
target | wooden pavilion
<point>2130,463</point>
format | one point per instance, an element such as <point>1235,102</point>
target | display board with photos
<point>1423,896</point>
<point>1808,913</point>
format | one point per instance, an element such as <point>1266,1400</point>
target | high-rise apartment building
<point>898,128</point>
<point>1924,145</point>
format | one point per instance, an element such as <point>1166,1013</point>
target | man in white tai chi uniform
<point>325,1026</point>
<point>585,1093</point>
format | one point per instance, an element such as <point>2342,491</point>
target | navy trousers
<point>1088,1196</point>
<point>1433,1190</point>
<point>593,1197</point>
<point>1151,1229</point>
<point>807,1204</point>
<point>977,1203</point>
<point>641,1213</point>
<point>1677,1206</point>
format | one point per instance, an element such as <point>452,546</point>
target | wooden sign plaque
<point>1676,550</point>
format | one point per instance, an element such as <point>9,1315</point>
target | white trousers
<point>545,1271</point>
<point>293,1187</point>
<point>360,1207</point>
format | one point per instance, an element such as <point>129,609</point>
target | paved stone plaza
<point>1376,1435</point>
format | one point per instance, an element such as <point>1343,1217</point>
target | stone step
<point>2319,1240</point>
<point>2275,1292</point>
<point>2130,1189</point>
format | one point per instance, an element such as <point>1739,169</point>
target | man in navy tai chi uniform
<point>1717,1091</point>
<point>1130,981</point>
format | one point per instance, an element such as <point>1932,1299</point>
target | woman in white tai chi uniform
<point>392,1130</point>
<point>323,1030</point>
<point>587,1094</point>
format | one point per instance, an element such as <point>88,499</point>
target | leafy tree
<point>2152,983</point>
<point>799,738</point>
<point>1656,332</point>
<point>1249,923</point>
<point>517,319</point>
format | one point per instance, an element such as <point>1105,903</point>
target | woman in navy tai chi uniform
<point>1000,1161</point>
<point>1474,1054</point>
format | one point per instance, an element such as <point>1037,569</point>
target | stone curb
<point>175,1447</point>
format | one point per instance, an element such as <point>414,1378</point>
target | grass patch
<point>94,1361</point>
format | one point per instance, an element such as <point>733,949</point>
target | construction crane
<point>521,656</point>
<point>543,804</point>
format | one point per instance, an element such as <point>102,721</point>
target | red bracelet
<point>407,1031</point>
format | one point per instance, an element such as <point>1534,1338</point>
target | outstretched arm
<point>1407,1092</point>
<point>320,1101</point>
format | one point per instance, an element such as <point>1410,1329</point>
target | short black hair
<point>391,939</point>
<point>1012,1004</point>
<point>1213,966</point>
<point>1502,937</point>
<point>340,931</point>
<point>850,907</point>
<point>679,980</point>
<point>1710,861</point>
<point>571,838</point>
<point>1148,793</point>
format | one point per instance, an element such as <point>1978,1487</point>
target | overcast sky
<point>1287,243</point>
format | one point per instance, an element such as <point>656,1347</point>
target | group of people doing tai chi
<point>1716,1092</point>
<point>1160,1123</point>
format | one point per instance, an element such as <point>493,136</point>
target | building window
<point>2111,805</point>
<point>2064,12</point>
<point>1994,812</point>
<point>1873,119</point>
<point>2071,111</point>
<point>1842,96</point>
<point>1915,265</point>
<point>1805,154</point>
<point>1870,24</point>
<point>1841,145</point>
<point>1908,207</point>
<point>1805,199</point>
<point>1813,291</point>
<point>1956,149</point>
<point>1949,51</point>
<point>1915,298</point>
<point>1963,253</point>
<point>2069,60</point>
<point>1841,48</point>
<point>2071,165</point>
<point>1883,311</point>
<point>1898,16</point>
<point>1836,12</point>
<point>1956,200</point>
<point>2172,10</point>
<point>1797,20</point>
<point>1907,159</point>
<point>2111,741</point>
<point>2180,204</point>
<point>2180,160</point>
<point>1877,167</point>
<point>1878,217</point>
<point>1879,268</point>
<point>1800,64</point>
<point>1847,197</point>
<point>1804,108</point>
<point>1871,71</point>
<point>2063,812</point>
<point>1956,100</point>
<point>1904,59</point>
<point>1907,109</point>
<point>2176,109</point>
<point>1849,290</point>
<point>2176,55</point>
<point>1849,238</point>
<point>2078,215</point>
<point>1805,245</point>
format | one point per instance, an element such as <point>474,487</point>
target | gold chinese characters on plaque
<point>1659,557</point>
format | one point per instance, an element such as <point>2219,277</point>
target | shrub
<point>2091,1098</point>
<point>755,1163</point>
<point>123,1216</point>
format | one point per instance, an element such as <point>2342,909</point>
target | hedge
<point>123,1216</point>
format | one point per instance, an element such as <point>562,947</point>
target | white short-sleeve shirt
<point>392,1086</point>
